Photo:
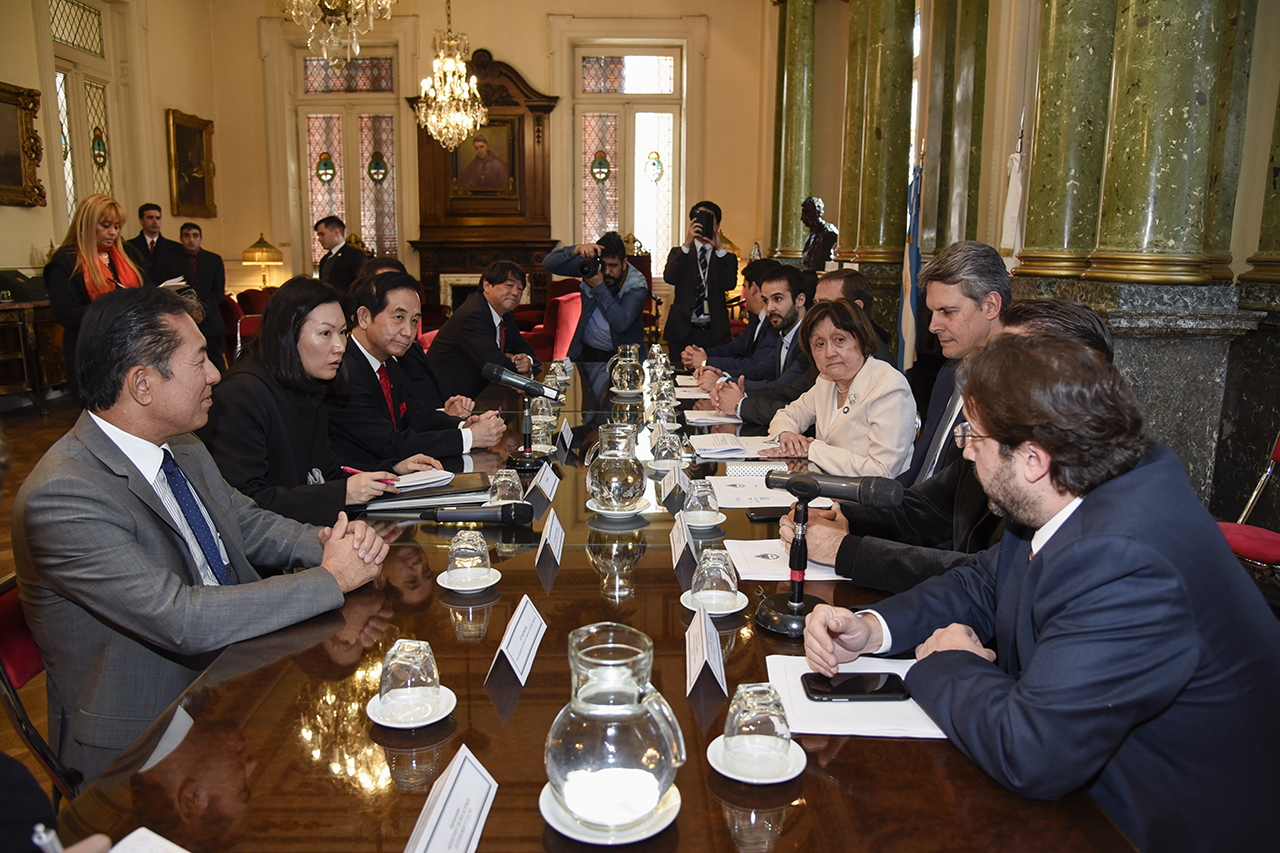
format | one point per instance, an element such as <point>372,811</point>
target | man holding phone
<point>1129,652</point>
<point>702,271</point>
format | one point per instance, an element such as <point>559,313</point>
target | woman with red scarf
<point>91,261</point>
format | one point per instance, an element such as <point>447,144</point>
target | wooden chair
<point>20,662</point>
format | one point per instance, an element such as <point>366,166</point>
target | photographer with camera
<point>702,271</point>
<point>613,296</point>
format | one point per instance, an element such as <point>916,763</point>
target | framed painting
<point>190,165</point>
<point>485,164</point>
<point>20,147</point>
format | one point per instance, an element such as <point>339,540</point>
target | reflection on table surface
<point>271,748</point>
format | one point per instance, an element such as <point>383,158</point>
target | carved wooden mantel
<point>462,230</point>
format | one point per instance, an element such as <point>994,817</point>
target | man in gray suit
<point>135,559</point>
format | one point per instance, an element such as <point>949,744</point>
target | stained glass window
<point>76,25</point>
<point>655,134</point>
<point>362,74</point>
<point>324,135</point>
<point>95,97</point>
<point>64,121</point>
<point>629,75</point>
<point>378,196</point>
<point>599,198</point>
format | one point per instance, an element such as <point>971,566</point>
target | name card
<point>453,817</point>
<point>672,494</point>
<point>704,658</point>
<point>547,480</point>
<point>565,438</point>
<point>682,558</point>
<point>551,545</point>
<point>520,641</point>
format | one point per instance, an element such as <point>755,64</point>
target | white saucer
<point>442,580</point>
<point>621,393</point>
<point>563,822</point>
<point>618,513</point>
<point>686,598</point>
<point>799,760</point>
<point>719,518</point>
<point>445,702</point>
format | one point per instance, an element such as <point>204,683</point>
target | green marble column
<point>1266,263</point>
<point>935,191</point>
<point>1064,178</point>
<point>795,152</point>
<point>1154,187</point>
<point>886,138</point>
<point>855,93</point>
<point>1234,60</point>
<point>780,75</point>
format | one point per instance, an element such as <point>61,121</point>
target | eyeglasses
<point>964,434</point>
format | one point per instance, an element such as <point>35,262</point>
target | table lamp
<point>264,255</point>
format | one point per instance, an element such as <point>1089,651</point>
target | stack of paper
<point>423,480</point>
<point>767,560</point>
<point>685,381</point>
<point>868,719</point>
<point>751,492</point>
<point>697,418</point>
<point>722,446</point>
<point>683,393</point>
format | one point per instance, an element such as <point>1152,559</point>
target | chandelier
<point>335,26</point>
<point>450,107</point>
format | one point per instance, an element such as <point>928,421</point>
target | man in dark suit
<point>136,561</point>
<point>483,331</point>
<point>702,271</point>
<point>756,342</point>
<point>783,290</point>
<point>381,417</point>
<point>207,278</point>
<point>156,249</point>
<point>342,261</point>
<point>967,291</point>
<point>1133,655</point>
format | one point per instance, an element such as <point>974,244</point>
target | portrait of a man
<point>486,169</point>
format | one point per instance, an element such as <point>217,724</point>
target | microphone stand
<point>784,613</point>
<point>526,460</point>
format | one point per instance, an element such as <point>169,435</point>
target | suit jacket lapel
<point>1011,615</point>
<point>222,522</point>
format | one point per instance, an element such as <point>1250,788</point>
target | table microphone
<point>881,492</point>
<point>518,512</point>
<point>502,376</point>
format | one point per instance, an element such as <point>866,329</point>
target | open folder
<point>463,490</point>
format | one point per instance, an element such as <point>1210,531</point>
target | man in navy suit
<point>783,289</point>
<point>154,246</point>
<point>1129,651</point>
<point>756,341</point>
<point>701,271</point>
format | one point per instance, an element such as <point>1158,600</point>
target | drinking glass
<point>410,682</point>
<point>666,450</point>
<point>505,487</point>
<point>540,410</point>
<point>757,739</point>
<point>715,582</point>
<point>541,433</point>
<point>468,561</point>
<point>700,504</point>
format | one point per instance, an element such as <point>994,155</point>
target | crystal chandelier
<point>335,26</point>
<point>450,107</point>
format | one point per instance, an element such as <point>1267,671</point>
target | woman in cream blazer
<point>861,409</point>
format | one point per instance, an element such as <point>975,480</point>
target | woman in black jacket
<point>91,261</point>
<point>268,429</point>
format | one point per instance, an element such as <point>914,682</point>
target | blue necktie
<point>195,519</point>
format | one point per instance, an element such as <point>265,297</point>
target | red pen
<point>358,471</point>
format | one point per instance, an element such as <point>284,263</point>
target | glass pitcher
<point>613,751</point>
<point>625,369</point>
<point>615,478</point>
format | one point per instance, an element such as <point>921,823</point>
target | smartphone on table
<point>854,687</point>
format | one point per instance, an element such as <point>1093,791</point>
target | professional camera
<point>588,267</point>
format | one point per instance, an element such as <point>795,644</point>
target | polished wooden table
<point>281,756</point>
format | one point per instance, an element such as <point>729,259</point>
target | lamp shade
<point>262,253</point>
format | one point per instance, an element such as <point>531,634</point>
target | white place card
<point>521,639</point>
<point>683,560</point>
<point>453,817</point>
<point>566,434</point>
<point>547,480</point>
<point>702,652</point>
<point>552,544</point>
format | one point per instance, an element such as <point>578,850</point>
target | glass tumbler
<point>410,682</point>
<point>505,487</point>
<point>701,507</point>
<point>715,582</point>
<point>540,410</point>
<point>666,450</point>
<point>757,739</point>
<point>468,561</point>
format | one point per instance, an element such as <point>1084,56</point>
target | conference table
<point>271,750</point>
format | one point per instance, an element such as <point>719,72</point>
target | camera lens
<point>588,267</point>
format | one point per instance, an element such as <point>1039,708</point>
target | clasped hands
<point>836,635</point>
<point>353,552</point>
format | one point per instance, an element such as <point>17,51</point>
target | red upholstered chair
<point>426,338</point>
<point>231,315</point>
<point>1256,546</point>
<point>22,662</point>
<point>245,330</point>
<point>566,322</point>
<point>529,316</point>
<point>254,300</point>
<point>433,317</point>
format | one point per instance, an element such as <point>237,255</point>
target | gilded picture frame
<point>190,165</point>
<point>501,177</point>
<point>20,147</point>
